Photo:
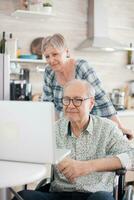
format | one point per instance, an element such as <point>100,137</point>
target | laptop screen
<point>27,131</point>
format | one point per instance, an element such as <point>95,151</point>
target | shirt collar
<point>88,130</point>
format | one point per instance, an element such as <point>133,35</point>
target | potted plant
<point>47,6</point>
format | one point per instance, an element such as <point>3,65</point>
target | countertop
<point>126,113</point>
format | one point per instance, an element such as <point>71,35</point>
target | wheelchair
<point>121,190</point>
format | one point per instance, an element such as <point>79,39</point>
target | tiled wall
<point>70,20</point>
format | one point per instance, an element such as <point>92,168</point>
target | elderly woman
<point>62,68</point>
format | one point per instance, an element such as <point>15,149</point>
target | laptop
<point>27,133</point>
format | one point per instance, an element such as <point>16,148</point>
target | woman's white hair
<point>56,41</point>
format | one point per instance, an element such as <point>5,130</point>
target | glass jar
<point>34,5</point>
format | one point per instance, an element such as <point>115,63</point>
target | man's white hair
<point>89,88</point>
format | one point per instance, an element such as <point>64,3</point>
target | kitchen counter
<point>126,113</point>
<point>127,118</point>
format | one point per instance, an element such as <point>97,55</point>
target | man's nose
<point>71,103</point>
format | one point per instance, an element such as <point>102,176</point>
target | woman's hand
<point>129,133</point>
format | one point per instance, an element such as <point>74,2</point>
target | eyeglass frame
<point>72,99</point>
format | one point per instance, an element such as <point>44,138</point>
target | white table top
<point>126,113</point>
<point>16,174</point>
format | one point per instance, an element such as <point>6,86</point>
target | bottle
<point>11,46</point>
<point>34,5</point>
<point>18,50</point>
<point>28,94</point>
<point>129,55</point>
<point>3,43</point>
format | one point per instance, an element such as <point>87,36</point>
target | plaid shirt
<point>53,92</point>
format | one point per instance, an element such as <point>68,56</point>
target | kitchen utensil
<point>118,99</point>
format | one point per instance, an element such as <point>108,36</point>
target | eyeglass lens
<point>76,102</point>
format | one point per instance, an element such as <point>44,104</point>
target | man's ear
<point>92,102</point>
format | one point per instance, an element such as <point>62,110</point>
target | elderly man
<point>96,144</point>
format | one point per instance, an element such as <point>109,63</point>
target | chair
<point>121,190</point>
<point>119,184</point>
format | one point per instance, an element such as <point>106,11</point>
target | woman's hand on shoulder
<point>129,133</point>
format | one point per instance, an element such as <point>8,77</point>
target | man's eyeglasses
<point>76,101</point>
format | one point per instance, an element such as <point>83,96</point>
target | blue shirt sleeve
<point>47,87</point>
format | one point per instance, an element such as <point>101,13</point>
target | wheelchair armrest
<point>44,185</point>
<point>120,172</point>
<point>119,184</point>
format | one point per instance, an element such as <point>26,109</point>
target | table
<point>17,174</point>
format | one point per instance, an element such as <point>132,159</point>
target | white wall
<point>70,20</point>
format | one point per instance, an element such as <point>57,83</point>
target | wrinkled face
<point>80,105</point>
<point>55,57</point>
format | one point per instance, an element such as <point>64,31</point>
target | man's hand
<point>72,169</point>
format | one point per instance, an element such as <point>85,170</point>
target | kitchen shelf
<point>30,61</point>
<point>19,60</point>
<point>31,14</point>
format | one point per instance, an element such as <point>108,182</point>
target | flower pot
<point>47,9</point>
